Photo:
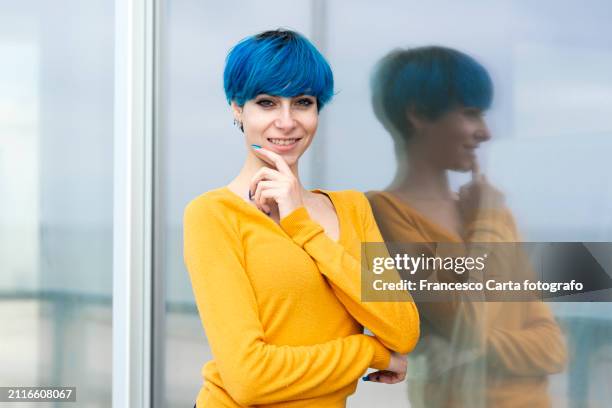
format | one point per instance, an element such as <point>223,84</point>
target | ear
<point>416,120</point>
<point>236,111</point>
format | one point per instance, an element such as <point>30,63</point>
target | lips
<point>283,144</point>
<point>283,141</point>
<point>470,151</point>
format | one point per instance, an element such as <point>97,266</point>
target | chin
<point>290,159</point>
<point>461,167</point>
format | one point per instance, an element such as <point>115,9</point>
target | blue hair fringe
<point>279,63</point>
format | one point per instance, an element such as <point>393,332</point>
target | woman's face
<point>452,139</point>
<point>281,124</point>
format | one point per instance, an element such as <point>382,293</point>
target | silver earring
<point>238,124</point>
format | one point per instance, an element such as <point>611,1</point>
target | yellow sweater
<point>281,306</point>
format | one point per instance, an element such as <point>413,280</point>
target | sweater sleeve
<point>537,348</point>
<point>492,225</point>
<point>255,372</point>
<point>395,323</point>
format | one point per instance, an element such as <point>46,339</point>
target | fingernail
<point>250,195</point>
<point>254,146</point>
<point>366,378</point>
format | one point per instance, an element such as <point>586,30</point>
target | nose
<point>482,133</point>
<point>285,120</point>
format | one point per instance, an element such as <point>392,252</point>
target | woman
<point>496,354</point>
<point>275,268</point>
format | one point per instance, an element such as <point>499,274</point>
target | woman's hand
<point>477,195</point>
<point>395,373</point>
<point>280,186</point>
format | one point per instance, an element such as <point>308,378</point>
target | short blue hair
<point>429,81</point>
<point>280,63</point>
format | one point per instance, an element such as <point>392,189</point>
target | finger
<point>374,377</point>
<point>262,206</point>
<point>395,378</point>
<point>261,187</point>
<point>273,158</point>
<point>257,198</point>
<point>475,168</point>
<point>387,378</point>
<point>381,376</point>
<point>267,200</point>
<point>476,175</point>
<point>264,173</point>
<point>263,157</point>
<point>271,195</point>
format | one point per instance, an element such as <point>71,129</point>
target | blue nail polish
<point>256,146</point>
<point>250,195</point>
<point>366,378</point>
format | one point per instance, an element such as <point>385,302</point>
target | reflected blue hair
<point>430,81</point>
<point>280,63</point>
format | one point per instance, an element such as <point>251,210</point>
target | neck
<point>418,176</point>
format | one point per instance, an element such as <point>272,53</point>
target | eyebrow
<point>265,95</point>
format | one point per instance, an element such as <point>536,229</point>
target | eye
<point>474,113</point>
<point>305,102</point>
<point>266,103</point>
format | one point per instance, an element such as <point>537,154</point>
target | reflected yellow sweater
<point>523,340</point>
<point>281,306</point>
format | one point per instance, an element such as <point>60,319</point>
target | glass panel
<point>548,153</point>
<point>56,126</point>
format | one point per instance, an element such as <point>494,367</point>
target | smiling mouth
<point>284,142</point>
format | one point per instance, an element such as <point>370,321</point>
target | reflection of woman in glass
<point>275,268</point>
<point>432,100</point>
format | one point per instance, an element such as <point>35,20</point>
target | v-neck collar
<point>422,217</point>
<point>329,194</point>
